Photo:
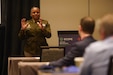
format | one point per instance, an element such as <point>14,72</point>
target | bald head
<point>87,24</point>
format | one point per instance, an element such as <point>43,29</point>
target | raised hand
<point>40,24</point>
<point>24,24</point>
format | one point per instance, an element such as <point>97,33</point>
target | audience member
<point>97,54</point>
<point>86,29</point>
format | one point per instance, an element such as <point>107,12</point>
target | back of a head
<point>106,25</point>
<point>88,25</point>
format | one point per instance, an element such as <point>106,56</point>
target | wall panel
<point>98,8</point>
<point>63,15</point>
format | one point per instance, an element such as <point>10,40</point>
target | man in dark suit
<point>86,29</point>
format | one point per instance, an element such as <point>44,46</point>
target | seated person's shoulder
<point>96,44</point>
<point>77,43</point>
<point>93,47</point>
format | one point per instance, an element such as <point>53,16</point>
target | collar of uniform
<point>34,21</point>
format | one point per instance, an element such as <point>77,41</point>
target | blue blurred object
<point>51,69</point>
<point>71,69</point>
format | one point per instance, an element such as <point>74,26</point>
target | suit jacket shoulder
<point>77,50</point>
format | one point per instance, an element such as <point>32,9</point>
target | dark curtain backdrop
<point>10,45</point>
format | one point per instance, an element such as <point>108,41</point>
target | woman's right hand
<point>24,24</point>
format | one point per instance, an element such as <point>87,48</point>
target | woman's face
<point>35,13</point>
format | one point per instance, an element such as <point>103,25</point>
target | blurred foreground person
<point>97,55</point>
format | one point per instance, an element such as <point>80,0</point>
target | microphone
<point>39,21</point>
<point>40,24</point>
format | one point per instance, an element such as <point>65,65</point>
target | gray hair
<point>106,25</point>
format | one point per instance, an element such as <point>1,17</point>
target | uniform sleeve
<point>47,31</point>
<point>22,34</point>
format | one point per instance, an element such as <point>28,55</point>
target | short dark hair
<point>106,25</point>
<point>87,24</point>
<point>34,7</point>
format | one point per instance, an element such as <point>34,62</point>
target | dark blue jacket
<point>77,50</point>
